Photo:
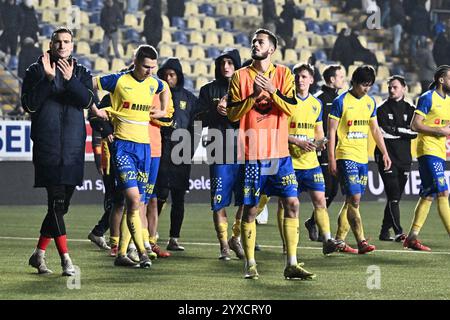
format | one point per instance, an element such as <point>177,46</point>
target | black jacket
<point>210,95</point>
<point>394,119</point>
<point>28,55</point>
<point>57,123</point>
<point>326,95</point>
<point>111,18</point>
<point>30,26</point>
<point>184,103</point>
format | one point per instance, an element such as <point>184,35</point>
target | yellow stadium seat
<point>117,65</point>
<point>165,50</point>
<point>186,66</point>
<point>222,9</point>
<point>363,40</point>
<point>63,18</point>
<point>324,14</point>
<point>212,71</point>
<point>301,42</point>
<point>317,41</point>
<point>196,37</point>
<point>305,54</point>
<point>84,18</point>
<point>194,23</point>
<point>166,36</point>
<point>48,16</point>
<point>83,48</point>
<point>101,65</point>
<point>310,13</point>
<point>277,56</point>
<point>63,4</point>
<point>166,22</point>
<point>237,10</point>
<point>352,69</point>
<point>46,4</point>
<point>251,10</point>
<point>211,39</point>
<point>290,56</point>
<point>245,53</point>
<point>181,51</point>
<point>131,21</point>
<point>384,88</point>
<point>299,26</point>
<point>307,2</point>
<point>197,52</point>
<point>200,68</point>
<point>381,58</point>
<point>209,23</point>
<point>130,50</point>
<point>97,34</point>
<point>340,26</point>
<point>119,47</point>
<point>45,45</point>
<point>226,39</point>
<point>191,9</point>
<point>383,73</point>
<point>83,34</point>
<point>200,82</point>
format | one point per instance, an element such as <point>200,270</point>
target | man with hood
<point>224,174</point>
<point>175,177</point>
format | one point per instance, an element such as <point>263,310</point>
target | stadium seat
<point>132,35</point>
<point>119,48</point>
<point>327,28</point>
<point>222,10</point>
<point>188,84</point>
<point>384,88</point>
<point>117,65</point>
<point>383,73</point>
<point>101,65</point>
<point>310,13</point>
<point>165,50</point>
<point>178,22</point>
<point>131,21</point>
<point>312,26</point>
<point>340,26</point>
<point>197,52</point>
<point>82,34</point>
<point>46,30</point>
<point>277,57</point>
<point>63,4</point>
<point>130,49</point>
<point>48,16</point>
<point>196,37</point>
<point>375,90</point>
<point>84,18</point>
<point>186,66</point>
<point>324,14</point>
<point>200,68</point>
<point>317,41</point>
<point>237,10</point>
<point>211,39</point>
<point>46,4</point>
<point>299,26</point>
<point>180,37</point>
<point>85,61</point>
<point>212,52</point>
<point>242,39</point>
<point>307,2</point>
<point>82,4</point>
<point>290,56</point>
<point>94,18</point>
<point>225,24</point>
<point>209,23</point>
<point>351,69</point>
<point>304,56</point>
<point>83,48</point>
<point>96,5</point>
<point>97,34</point>
<point>181,52</point>
<point>245,53</point>
<point>380,55</point>
<point>206,9</point>
<point>63,18</point>
<point>301,42</point>
<point>226,39</point>
<point>212,71</point>
<point>251,10</point>
<point>166,22</point>
<point>200,82</point>
<point>166,37</point>
<point>45,44</point>
<point>191,9</point>
<point>320,55</point>
<point>194,23</point>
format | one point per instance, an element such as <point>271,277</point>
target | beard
<point>262,56</point>
<point>446,89</point>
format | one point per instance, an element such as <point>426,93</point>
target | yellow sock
<point>263,200</point>
<point>343,225</point>
<point>236,228</point>
<point>222,232</point>
<point>420,215</point>
<point>152,240</point>
<point>125,236</point>
<point>248,238</point>
<point>135,227</point>
<point>114,241</point>
<point>145,235</point>
<point>444,212</point>
<point>280,219</point>
<point>291,235</point>
<point>322,220</point>
<point>354,218</point>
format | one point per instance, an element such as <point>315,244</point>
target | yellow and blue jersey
<point>131,102</point>
<point>354,116</point>
<point>302,124</point>
<point>436,112</point>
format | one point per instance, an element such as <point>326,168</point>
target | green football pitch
<point>388,273</point>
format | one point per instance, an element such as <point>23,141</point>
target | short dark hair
<point>399,78</point>
<point>363,74</point>
<point>272,36</point>
<point>61,30</point>
<point>145,51</point>
<point>303,66</point>
<point>330,72</point>
<point>441,71</point>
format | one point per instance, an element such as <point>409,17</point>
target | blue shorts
<point>310,180</point>
<point>275,177</point>
<point>226,179</point>
<point>431,170</point>
<point>150,187</point>
<point>132,162</point>
<point>352,176</point>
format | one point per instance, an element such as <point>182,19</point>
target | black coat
<point>57,123</point>
<point>171,175</point>
<point>30,26</point>
<point>394,119</point>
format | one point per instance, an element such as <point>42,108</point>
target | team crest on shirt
<point>152,89</point>
<point>369,106</point>
<point>441,181</point>
<point>314,109</point>
<point>123,177</point>
<point>183,105</point>
<point>353,179</point>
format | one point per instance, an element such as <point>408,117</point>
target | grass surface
<point>198,274</point>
